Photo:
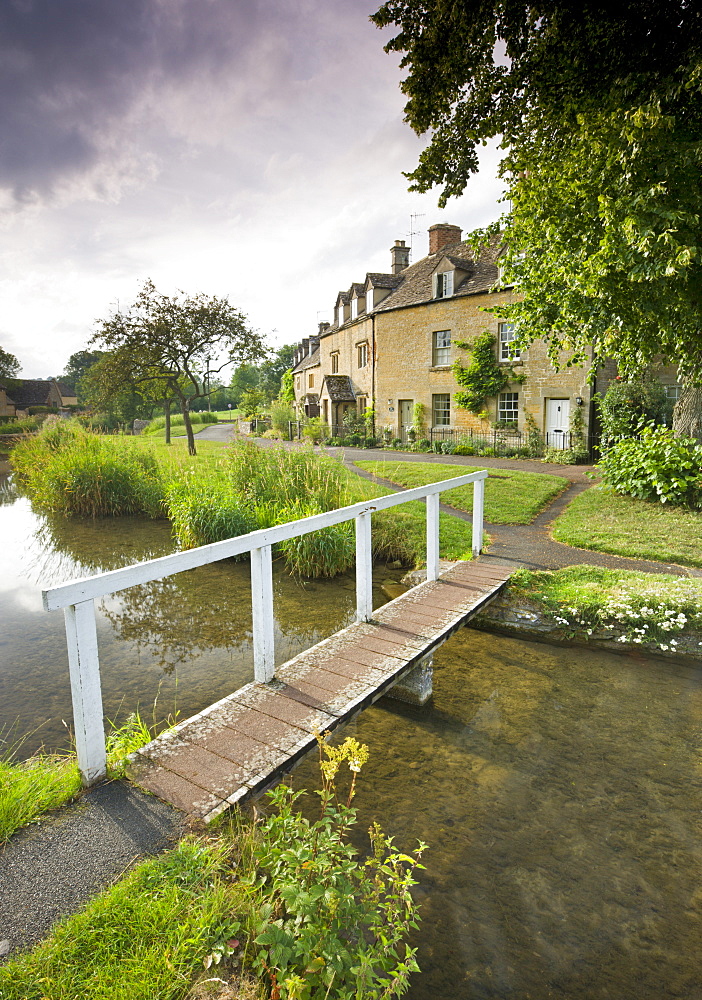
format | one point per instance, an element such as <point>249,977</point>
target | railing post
<point>478,505</point>
<point>262,608</point>
<point>364,568</point>
<point>84,666</point>
<point>433,536</point>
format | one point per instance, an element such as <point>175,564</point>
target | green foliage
<point>484,376</point>
<point>251,403</point>
<point>320,553</point>
<point>534,437</point>
<point>9,365</point>
<point>331,925</point>
<point>643,607</point>
<point>145,937</point>
<point>282,414</point>
<point>76,368</point>
<point>30,787</point>
<point>158,424</point>
<point>24,426</point>
<point>70,471</point>
<point>315,430</point>
<point>278,477</point>
<point>626,406</point>
<point>287,387</point>
<point>207,511</point>
<point>659,467</point>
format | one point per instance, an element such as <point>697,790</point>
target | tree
<point>599,107</point>
<point>77,367</point>
<point>9,364</point>
<point>166,345</point>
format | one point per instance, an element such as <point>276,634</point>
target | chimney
<point>442,234</point>
<point>314,344</point>
<point>399,255</point>
<point>323,327</point>
<point>305,346</point>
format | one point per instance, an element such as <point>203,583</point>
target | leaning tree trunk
<point>687,414</point>
<point>185,410</point>
<point>167,411</point>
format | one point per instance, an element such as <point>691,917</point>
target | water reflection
<point>185,641</point>
<point>559,791</point>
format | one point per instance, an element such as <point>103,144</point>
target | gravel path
<point>50,870</point>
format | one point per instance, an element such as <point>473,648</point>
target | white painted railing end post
<point>478,508</point>
<point>364,568</point>
<point>262,611</point>
<point>433,536</point>
<point>84,667</point>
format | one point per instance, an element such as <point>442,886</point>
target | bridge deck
<point>245,742</point>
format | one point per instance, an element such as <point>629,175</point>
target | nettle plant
<point>331,924</point>
<point>653,613</point>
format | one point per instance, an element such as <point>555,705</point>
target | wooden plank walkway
<point>244,743</point>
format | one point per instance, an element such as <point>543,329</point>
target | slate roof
<point>31,392</point>
<point>378,280</point>
<point>340,388</point>
<point>358,287</point>
<point>311,361</point>
<point>416,283</point>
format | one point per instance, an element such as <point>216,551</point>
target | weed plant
<point>70,471</point>
<point>202,512</point>
<point>30,787</point>
<point>329,924</point>
<point>320,553</point>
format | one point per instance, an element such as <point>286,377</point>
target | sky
<point>251,149</point>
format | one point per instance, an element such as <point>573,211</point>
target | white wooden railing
<point>77,597</point>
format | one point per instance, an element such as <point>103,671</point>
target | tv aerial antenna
<point>412,231</point>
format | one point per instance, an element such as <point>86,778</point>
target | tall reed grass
<point>70,471</point>
<point>207,511</point>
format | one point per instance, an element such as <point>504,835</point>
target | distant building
<point>18,395</point>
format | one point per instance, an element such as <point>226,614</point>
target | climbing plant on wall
<point>483,376</point>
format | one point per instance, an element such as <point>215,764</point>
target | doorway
<point>406,409</point>
<point>557,423</point>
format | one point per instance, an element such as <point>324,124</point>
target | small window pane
<point>508,408</point>
<point>334,363</point>
<point>441,352</point>
<point>441,409</point>
<point>506,336</point>
<point>362,355</point>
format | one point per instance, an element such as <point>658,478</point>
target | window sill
<point>510,361</point>
<point>440,368</point>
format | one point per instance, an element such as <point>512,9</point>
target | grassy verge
<point>143,938</point>
<point>511,497</point>
<point>29,788</point>
<point>625,526</point>
<point>197,420</point>
<point>651,608</point>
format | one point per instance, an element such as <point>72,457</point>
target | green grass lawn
<point>511,497</point>
<point>624,526</point>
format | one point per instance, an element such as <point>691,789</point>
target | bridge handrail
<point>78,596</point>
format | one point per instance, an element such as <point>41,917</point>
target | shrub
<point>657,467</point>
<point>464,449</point>
<point>316,430</point>
<point>282,413</point>
<point>564,456</point>
<point>24,426</point>
<point>626,406</point>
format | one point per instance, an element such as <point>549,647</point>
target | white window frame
<point>362,354</point>
<point>369,300</point>
<point>443,285</point>
<point>340,314</point>
<point>505,335</point>
<point>444,412</point>
<point>508,408</point>
<point>441,352</point>
<point>354,308</point>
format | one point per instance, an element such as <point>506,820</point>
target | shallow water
<point>559,791</point>
<point>183,642</point>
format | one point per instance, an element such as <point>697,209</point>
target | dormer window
<point>340,314</point>
<point>369,300</point>
<point>443,284</point>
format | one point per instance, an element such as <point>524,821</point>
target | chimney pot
<point>399,256</point>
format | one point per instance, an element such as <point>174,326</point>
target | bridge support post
<point>417,686</point>
<point>84,667</point>
<point>263,619</point>
<point>433,536</point>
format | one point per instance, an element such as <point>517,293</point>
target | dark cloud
<point>72,72</point>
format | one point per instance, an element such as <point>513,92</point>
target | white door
<point>557,423</point>
<point>406,407</point>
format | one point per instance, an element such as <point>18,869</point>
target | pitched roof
<point>416,279</point>
<point>378,280</point>
<point>340,388</point>
<point>30,392</point>
<point>311,361</point>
